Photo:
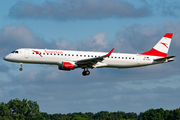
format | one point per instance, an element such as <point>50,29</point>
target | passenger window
<point>65,54</point>
<point>77,55</point>
<point>69,54</point>
<point>112,57</point>
<point>80,55</point>
<point>119,57</point>
<point>84,55</point>
<point>54,54</point>
<point>47,53</point>
<point>122,57</point>
<point>61,54</point>
<point>72,54</point>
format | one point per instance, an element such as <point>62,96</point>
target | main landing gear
<point>85,72</point>
<point>21,64</point>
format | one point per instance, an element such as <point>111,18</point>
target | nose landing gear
<point>21,64</point>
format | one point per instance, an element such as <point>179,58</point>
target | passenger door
<point>26,53</point>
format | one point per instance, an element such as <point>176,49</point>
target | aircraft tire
<point>87,72</point>
<point>84,73</point>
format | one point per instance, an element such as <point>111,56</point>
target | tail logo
<point>165,44</point>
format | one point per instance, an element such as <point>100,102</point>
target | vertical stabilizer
<point>162,47</point>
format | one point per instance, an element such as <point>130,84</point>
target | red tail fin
<point>161,48</point>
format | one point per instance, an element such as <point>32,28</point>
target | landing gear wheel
<point>21,64</point>
<point>87,72</point>
<point>84,73</point>
<point>20,69</point>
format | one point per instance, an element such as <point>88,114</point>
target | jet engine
<point>67,66</point>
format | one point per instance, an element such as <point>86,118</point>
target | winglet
<point>107,55</point>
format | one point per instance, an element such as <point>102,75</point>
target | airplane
<point>69,60</point>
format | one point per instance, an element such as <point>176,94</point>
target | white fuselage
<point>56,57</point>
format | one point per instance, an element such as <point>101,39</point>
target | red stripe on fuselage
<point>154,52</point>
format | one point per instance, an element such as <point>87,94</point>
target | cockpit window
<point>14,52</point>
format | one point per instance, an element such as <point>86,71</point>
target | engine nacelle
<point>67,66</point>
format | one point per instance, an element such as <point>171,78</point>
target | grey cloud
<point>64,44</point>
<point>77,9</point>
<point>96,42</point>
<point>17,36</point>
<point>166,8</point>
<point>20,36</point>
<point>137,38</point>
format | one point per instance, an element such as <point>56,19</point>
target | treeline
<point>151,114</point>
<point>103,115</point>
<point>160,114</point>
<point>16,109</point>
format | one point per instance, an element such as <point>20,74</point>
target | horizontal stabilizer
<point>165,59</point>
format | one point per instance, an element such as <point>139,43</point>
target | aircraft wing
<point>165,59</point>
<point>92,61</point>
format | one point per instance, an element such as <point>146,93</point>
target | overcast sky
<point>92,25</point>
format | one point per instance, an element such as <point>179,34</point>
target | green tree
<point>176,114</point>
<point>4,111</point>
<point>79,118</point>
<point>166,114</point>
<point>22,110</point>
<point>109,118</point>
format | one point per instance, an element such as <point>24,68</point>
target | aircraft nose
<point>6,57</point>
